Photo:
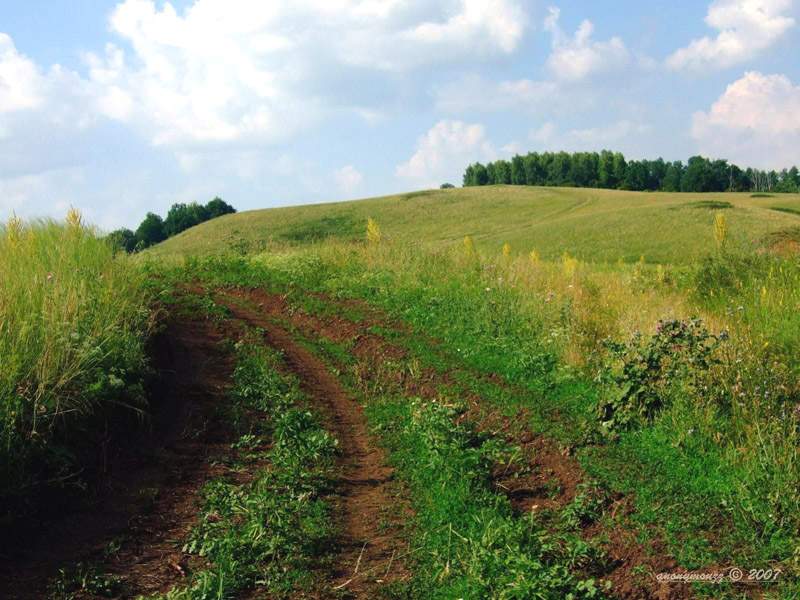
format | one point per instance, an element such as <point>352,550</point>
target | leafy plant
<point>640,375</point>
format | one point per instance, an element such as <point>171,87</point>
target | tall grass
<point>73,319</point>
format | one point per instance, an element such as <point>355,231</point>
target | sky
<point>123,107</point>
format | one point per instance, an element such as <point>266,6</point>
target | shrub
<point>642,374</point>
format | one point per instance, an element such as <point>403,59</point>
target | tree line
<point>153,229</point>
<point>610,170</point>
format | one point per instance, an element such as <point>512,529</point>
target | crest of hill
<point>593,224</point>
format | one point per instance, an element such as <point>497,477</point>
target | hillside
<point>595,225</point>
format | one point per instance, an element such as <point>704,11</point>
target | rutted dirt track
<point>552,467</point>
<point>133,528</point>
<point>153,500</point>
<point>370,556</point>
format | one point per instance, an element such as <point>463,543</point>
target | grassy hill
<point>593,224</point>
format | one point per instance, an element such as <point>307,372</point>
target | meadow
<point>657,332</point>
<point>544,393</point>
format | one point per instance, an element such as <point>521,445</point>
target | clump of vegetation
<point>315,230</point>
<point>643,374</point>
<point>709,204</point>
<point>73,325</point>
<point>469,543</point>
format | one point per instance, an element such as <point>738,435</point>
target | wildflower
<point>720,229</point>
<point>373,232</point>
<point>74,218</point>
<point>506,250</point>
<point>14,228</point>
<point>534,256</point>
<point>469,246</point>
<point>570,264</point>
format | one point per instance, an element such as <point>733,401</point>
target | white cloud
<point>348,178</point>
<point>444,151</point>
<point>573,64</point>
<point>474,93</point>
<point>20,80</point>
<point>575,58</point>
<point>235,70</point>
<point>614,135</point>
<point>746,27</point>
<point>755,122</point>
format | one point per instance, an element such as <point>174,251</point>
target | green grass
<point>594,225</point>
<point>271,532</point>
<point>74,319</point>
<point>712,473</point>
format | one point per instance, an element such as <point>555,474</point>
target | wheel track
<point>368,558</point>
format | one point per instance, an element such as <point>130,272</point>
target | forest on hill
<point>610,170</point>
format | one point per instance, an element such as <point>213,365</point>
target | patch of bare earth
<point>370,552</point>
<point>134,529</point>
<point>547,477</point>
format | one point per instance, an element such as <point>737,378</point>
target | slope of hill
<point>593,224</point>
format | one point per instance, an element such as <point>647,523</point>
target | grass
<point>466,541</point>
<point>720,454</point>
<point>272,531</point>
<point>74,320</point>
<point>594,225</point>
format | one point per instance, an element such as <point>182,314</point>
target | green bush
<point>642,373</point>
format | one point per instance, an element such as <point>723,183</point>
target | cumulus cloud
<point>746,27</point>
<point>573,64</point>
<point>756,121</point>
<point>577,57</point>
<point>233,70</point>
<point>348,179</point>
<point>444,151</point>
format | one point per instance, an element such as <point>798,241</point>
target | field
<point>496,392</point>
<point>593,225</point>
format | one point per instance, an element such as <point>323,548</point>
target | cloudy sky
<point>120,108</point>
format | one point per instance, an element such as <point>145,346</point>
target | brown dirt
<point>150,501</point>
<point>547,477</point>
<point>370,552</point>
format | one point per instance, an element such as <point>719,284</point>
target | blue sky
<point>124,107</point>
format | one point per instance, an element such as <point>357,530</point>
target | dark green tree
<point>122,239</point>
<point>150,231</point>
<point>218,207</point>
<point>183,216</point>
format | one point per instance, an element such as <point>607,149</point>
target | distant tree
<point>446,186</point>
<point>481,174</point>
<point>122,239</point>
<point>503,172</point>
<point>698,176</point>
<point>518,176</point>
<point>672,177</point>
<point>218,207</point>
<point>619,169</point>
<point>605,170</point>
<point>150,231</point>
<point>183,216</point>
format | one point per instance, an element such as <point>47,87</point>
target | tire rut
<point>369,554</point>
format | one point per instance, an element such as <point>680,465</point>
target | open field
<point>594,225</point>
<point>397,398</point>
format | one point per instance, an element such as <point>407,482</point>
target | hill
<point>595,225</point>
